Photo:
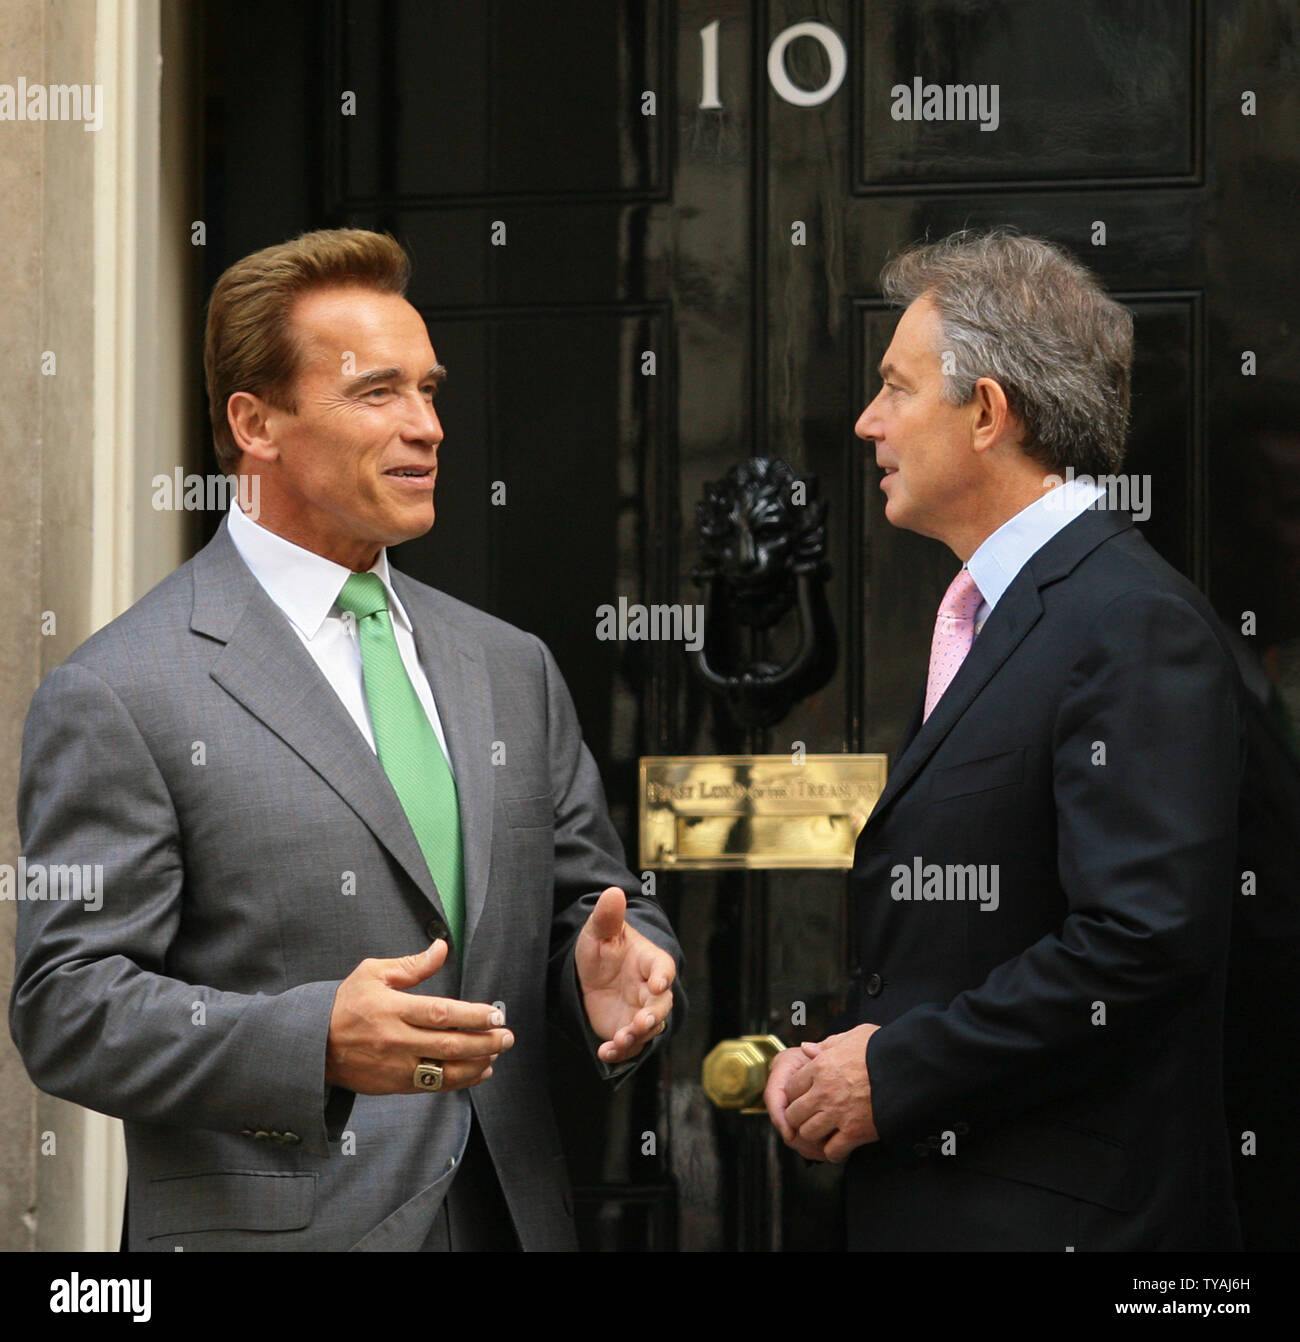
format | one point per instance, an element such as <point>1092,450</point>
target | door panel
<point>1069,77</point>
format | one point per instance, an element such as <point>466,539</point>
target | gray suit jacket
<point>253,852</point>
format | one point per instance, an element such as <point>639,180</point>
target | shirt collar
<point>303,584</point>
<point>1000,558</point>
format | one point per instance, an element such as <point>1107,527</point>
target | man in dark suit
<point>1043,890</point>
<point>297,768</point>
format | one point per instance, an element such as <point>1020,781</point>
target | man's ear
<point>993,421</point>
<point>249,418</point>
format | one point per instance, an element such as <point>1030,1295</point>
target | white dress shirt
<point>1000,558</point>
<point>306,586</point>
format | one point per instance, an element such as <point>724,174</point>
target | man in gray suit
<point>297,768</point>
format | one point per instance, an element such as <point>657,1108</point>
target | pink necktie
<point>954,632</point>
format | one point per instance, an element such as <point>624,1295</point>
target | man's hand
<point>775,1096</point>
<point>378,1033</point>
<point>626,980</point>
<point>820,1100</point>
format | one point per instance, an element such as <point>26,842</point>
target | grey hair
<point>1020,311</point>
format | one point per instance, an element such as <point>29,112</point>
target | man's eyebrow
<point>889,372</point>
<point>375,376</point>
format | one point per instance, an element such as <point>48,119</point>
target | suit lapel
<point>1013,617</point>
<point>914,724</point>
<point>267,669</point>
<point>454,661</point>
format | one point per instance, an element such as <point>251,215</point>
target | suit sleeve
<point>589,858</point>
<point>94,1013</point>
<point>1146,762</point>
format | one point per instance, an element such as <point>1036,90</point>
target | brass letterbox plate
<point>719,812</point>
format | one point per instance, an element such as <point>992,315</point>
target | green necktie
<point>408,746</point>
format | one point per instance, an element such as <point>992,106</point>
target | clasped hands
<point>379,1029</point>
<point>818,1096</point>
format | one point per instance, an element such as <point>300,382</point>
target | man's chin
<point>896,514</point>
<point>411,525</point>
<point>905,519</point>
<point>414,533</point>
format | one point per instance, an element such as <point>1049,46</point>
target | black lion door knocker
<point>763,555</point>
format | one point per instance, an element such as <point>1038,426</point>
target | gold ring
<point>427,1075</point>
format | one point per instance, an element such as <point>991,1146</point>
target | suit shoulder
<point>1127,566</point>
<point>148,631</point>
<point>1126,584</point>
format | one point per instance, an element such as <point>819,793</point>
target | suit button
<point>921,1149</point>
<point>873,985</point>
<point>435,928</point>
<point>261,1133</point>
<point>291,1138</point>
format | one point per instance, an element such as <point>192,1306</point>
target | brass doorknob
<point>735,1071</point>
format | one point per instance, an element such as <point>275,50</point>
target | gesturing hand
<point>626,980</point>
<point>378,1033</point>
<point>823,1108</point>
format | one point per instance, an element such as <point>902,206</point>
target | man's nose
<point>869,425</point>
<point>424,422</point>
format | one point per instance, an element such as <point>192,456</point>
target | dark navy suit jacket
<point>1049,1071</point>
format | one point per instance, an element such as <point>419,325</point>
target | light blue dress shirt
<point>1000,558</point>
